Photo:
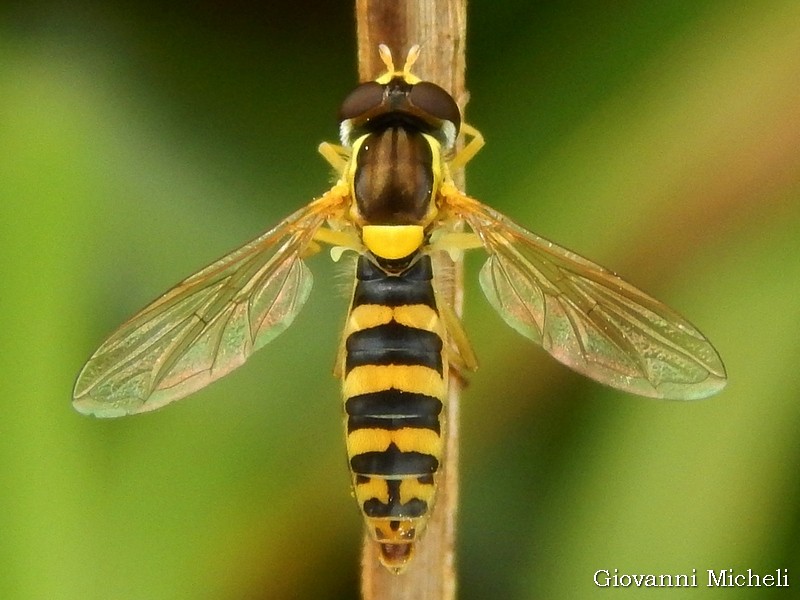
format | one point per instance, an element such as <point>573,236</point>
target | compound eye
<point>435,101</point>
<point>362,99</point>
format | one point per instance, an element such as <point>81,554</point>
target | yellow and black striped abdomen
<point>394,388</point>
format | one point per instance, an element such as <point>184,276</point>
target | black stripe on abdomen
<point>393,344</point>
<point>393,409</point>
<point>392,403</point>
<point>393,462</point>
<point>394,423</point>
<point>374,286</point>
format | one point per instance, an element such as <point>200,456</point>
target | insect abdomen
<point>394,388</point>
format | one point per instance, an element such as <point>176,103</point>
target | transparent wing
<point>586,316</point>
<point>207,325</point>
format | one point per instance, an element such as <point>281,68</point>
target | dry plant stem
<point>439,27</point>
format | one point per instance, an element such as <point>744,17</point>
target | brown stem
<point>439,27</point>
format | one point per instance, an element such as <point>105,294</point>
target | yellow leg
<point>339,240</point>
<point>471,148</point>
<point>455,242</point>
<point>461,355</point>
<point>346,239</point>
<point>337,156</point>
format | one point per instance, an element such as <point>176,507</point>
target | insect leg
<point>340,240</point>
<point>470,149</point>
<point>455,242</point>
<point>462,356</point>
<point>337,156</point>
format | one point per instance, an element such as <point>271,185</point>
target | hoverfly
<point>396,206</point>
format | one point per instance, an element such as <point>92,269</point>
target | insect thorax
<point>394,176</point>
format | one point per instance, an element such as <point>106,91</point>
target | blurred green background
<point>139,143</point>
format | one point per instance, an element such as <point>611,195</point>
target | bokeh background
<point>138,143</point>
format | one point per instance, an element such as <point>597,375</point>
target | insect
<point>395,205</point>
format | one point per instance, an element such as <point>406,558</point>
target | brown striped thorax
<point>396,207</point>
